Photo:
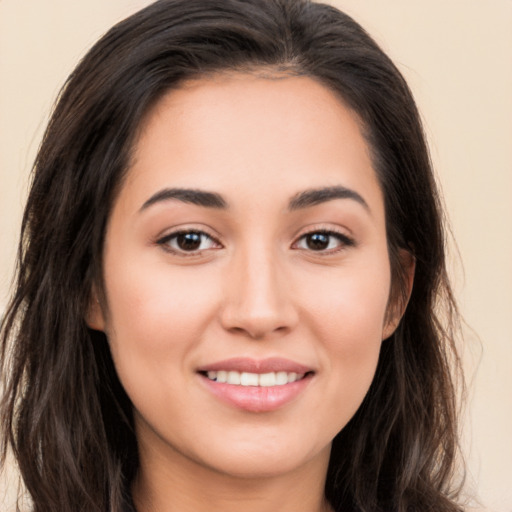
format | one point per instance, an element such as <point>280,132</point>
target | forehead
<point>262,133</point>
<point>253,99</point>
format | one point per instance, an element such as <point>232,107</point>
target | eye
<point>190,242</point>
<point>323,241</point>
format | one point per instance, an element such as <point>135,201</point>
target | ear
<point>399,297</point>
<point>94,317</point>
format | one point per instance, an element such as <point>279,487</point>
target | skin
<point>256,288</point>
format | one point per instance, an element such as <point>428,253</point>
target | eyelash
<point>165,242</point>
<point>343,241</point>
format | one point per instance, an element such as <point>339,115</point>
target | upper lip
<point>244,364</point>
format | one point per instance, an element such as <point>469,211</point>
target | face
<point>247,275</point>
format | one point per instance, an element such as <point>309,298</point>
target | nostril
<point>258,305</point>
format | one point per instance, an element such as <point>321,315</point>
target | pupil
<point>189,241</point>
<point>318,241</point>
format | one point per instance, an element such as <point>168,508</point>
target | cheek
<point>349,309</point>
<point>348,316</point>
<point>156,317</point>
<point>156,302</point>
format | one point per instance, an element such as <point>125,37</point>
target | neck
<point>181,485</point>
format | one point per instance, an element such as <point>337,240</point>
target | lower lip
<point>257,398</point>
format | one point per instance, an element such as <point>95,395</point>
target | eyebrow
<point>304,199</point>
<point>313,197</point>
<point>187,195</point>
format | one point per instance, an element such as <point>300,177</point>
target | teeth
<point>282,378</point>
<point>254,379</point>
<point>234,378</point>
<point>268,379</point>
<point>248,379</point>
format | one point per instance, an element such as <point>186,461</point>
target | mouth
<point>270,379</point>
<point>256,386</point>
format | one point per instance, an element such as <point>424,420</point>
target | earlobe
<point>94,317</point>
<point>400,295</point>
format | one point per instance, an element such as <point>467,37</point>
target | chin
<point>267,458</point>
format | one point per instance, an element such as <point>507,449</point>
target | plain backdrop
<point>457,58</point>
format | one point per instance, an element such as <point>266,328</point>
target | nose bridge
<point>257,299</point>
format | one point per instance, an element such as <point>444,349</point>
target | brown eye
<point>317,241</point>
<point>189,242</point>
<point>324,241</point>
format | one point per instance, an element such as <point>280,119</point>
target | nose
<point>257,300</point>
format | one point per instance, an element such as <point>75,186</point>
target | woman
<point>231,265</point>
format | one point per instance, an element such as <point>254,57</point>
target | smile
<point>256,385</point>
<point>254,379</point>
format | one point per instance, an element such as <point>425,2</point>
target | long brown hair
<point>64,413</point>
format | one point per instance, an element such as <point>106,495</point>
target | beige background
<point>457,57</point>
